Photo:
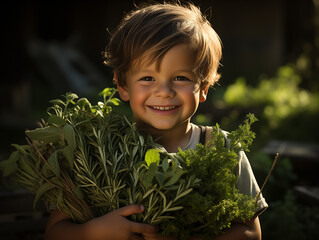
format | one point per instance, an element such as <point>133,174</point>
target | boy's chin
<point>155,127</point>
<point>162,127</point>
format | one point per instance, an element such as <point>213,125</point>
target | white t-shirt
<point>247,183</point>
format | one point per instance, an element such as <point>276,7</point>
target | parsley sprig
<point>211,208</point>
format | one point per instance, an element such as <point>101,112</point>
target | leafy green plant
<point>87,160</point>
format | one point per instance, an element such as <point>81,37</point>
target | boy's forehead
<point>151,56</point>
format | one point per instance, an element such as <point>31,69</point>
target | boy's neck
<point>171,139</point>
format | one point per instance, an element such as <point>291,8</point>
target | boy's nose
<point>164,90</point>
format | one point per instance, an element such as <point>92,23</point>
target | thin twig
<point>40,174</point>
<point>40,155</point>
<point>264,184</point>
<point>90,114</point>
<point>62,179</point>
<point>67,182</point>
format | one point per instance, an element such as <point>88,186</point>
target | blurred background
<point>270,67</point>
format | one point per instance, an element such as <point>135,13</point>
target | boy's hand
<point>157,236</point>
<point>115,225</point>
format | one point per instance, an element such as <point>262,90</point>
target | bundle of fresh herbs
<point>216,203</point>
<point>87,160</point>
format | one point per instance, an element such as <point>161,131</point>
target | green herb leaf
<point>10,165</point>
<point>53,162</point>
<point>70,96</point>
<point>165,164</point>
<point>160,178</point>
<point>68,153</point>
<point>49,134</point>
<point>148,176</point>
<point>41,191</point>
<point>57,102</point>
<point>84,103</point>
<point>69,135</point>
<point>115,101</point>
<point>22,149</point>
<point>173,209</point>
<point>152,156</point>
<point>56,120</point>
<point>106,92</point>
<point>183,193</point>
<point>174,178</point>
<point>148,193</point>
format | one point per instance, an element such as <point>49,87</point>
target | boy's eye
<point>148,79</point>
<point>181,78</point>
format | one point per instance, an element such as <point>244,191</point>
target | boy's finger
<point>150,236</point>
<point>136,237</point>
<point>143,228</point>
<point>130,210</point>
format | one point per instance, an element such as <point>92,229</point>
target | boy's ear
<point>203,94</point>
<point>122,90</point>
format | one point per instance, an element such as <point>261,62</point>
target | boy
<point>165,57</point>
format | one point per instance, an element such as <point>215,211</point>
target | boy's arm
<point>113,225</point>
<point>249,230</point>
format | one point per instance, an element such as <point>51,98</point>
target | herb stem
<point>266,180</point>
<point>40,155</point>
<point>40,174</point>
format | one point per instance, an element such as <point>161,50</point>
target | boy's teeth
<point>164,108</point>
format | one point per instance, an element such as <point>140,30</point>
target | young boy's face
<point>166,97</point>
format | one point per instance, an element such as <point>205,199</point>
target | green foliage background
<point>280,103</point>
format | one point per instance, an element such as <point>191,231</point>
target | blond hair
<point>156,29</point>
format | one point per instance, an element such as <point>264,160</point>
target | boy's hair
<point>156,29</point>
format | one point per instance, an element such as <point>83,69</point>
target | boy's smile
<point>164,109</point>
<point>164,95</point>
